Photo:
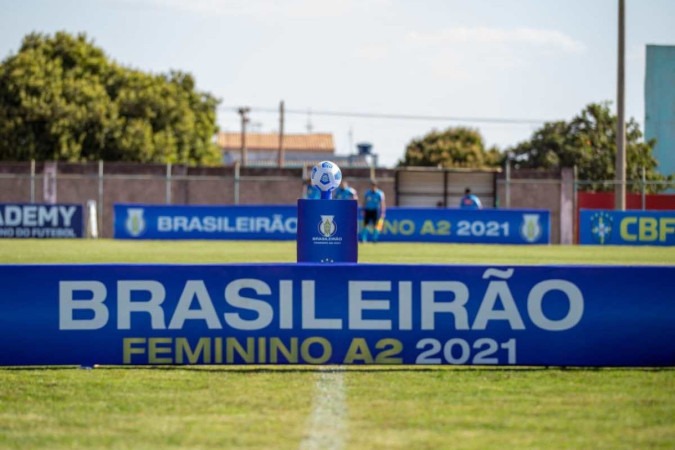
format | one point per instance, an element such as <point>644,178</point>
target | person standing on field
<point>346,192</point>
<point>374,210</point>
<point>470,201</point>
<point>311,192</point>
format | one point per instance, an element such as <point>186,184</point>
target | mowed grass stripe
<point>327,425</point>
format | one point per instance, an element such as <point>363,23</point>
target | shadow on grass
<point>281,369</point>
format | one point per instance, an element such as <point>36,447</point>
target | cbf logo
<point>601,227</point>
<point>530,229</point>
<point>327,226</point>
<point>135,223</point>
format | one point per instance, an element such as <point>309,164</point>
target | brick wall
<point>147,183</point>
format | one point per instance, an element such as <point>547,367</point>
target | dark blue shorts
<point>370,216</point>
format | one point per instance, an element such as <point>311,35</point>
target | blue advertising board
<point>31,221</point>
<point>205,222</point>
<point>606,227</point>
<point>274,222</point>
<point>327,231</point>
<point>337,314</point>
<point>484,226</point>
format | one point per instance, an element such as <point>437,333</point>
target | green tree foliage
<point>62,99</point>
<point>453,147</point>
<point>588,142</point>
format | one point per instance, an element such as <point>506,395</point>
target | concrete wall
<point>180,185</point>
<point>159,184</point>
<point>552,190</point>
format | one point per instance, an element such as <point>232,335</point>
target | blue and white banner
<point>337,314</point>
<point>484,226</point>
<point>487,226</point>
<point>31,221</point>
<point>271,222</point>
<point>603,227</point>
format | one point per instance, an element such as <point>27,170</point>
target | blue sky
<point>467,61</point>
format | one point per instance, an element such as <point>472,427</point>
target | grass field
<point>400,407</point>
<point>111,251</point>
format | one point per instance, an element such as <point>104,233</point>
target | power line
<point>365,115</point>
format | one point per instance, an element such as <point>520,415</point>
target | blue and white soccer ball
<point>326,176</point>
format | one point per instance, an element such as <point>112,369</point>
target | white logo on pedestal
<point>327,226</point>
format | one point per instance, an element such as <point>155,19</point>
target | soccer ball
<point>326,176</point>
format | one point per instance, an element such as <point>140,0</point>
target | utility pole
<point>243,112</point>
<point>620,163</point>
<point>281,159</point>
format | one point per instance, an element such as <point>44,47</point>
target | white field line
<point>327,426</point>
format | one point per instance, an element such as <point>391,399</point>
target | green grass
<point>386,408</point>
<point>398,407</point>
<point>152,408</point>
<point>111,251</point>
<point>513,408</point>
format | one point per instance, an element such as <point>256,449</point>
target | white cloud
<point>548,40</point>
<point>460,66</point>
<point>467,53</point>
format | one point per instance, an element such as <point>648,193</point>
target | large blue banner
<point>271,222</point>
<point>484,226</point>
<point>337,314</point>
<point>603,227</point>
<point>31,220</point>
<point>487,226</point>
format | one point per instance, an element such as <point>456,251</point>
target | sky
<point>379,71</point>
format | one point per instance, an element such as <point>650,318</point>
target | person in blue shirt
<point>311,192</point>
<point>470,201</point>
<point>374,209</point>
<point>345,192</point>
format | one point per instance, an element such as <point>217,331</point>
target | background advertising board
<point>485,226</point>
<point>337,314</point>
<point>491,226</point>
<point>31,221</point>
<point>603,227</point>
<point>205,222</point>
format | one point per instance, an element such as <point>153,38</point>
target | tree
<point>62,99</point>
<point>454,147</point>
<point>588,142</point>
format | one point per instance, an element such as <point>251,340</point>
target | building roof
<point>315,142</point>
